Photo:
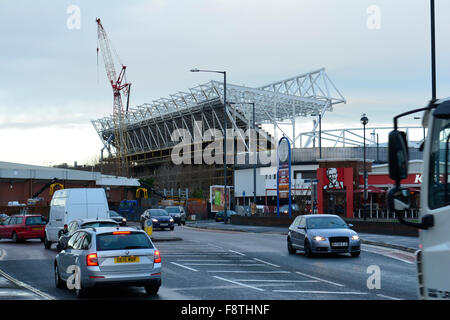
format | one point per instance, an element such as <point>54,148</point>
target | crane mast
<point>119,87</point>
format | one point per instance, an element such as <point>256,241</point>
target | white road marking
<point>320,292</point>
<point>280,281</point>
<point>212,260</point>
<point>2,254</point>
<point>245,271</point>
<point>322,280</point>
<point>26,286</point>
<point>388,297</point>
<point>180,265</point>
<point>237,252</point>
<point>240,284</point>
<point>227,264</point>
<point>270,264</point>
<point>391,253</point>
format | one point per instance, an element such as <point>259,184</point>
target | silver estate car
<point>322,233</point>
<point>66,234</point>
<point>108,257</point>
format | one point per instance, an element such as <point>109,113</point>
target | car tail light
<point>92,260</point>
<point>121,232</point>
<point>157,257</point>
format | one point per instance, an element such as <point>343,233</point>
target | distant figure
<point>333,182</point>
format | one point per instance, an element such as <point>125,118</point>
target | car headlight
<point>319,238</point>
<point>355,237</point>
<point>124,220</point>
<point>171,219</point>
<point>154,220</point>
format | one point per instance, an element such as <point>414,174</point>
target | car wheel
<point>217,220</point>
<point>151,290</point>
<point>179,223</point>
<point>355,254</point>
<point>14,237</point>
<point>308,252</point>
<point>47,244</point>
<point>184,222</point>
<point>291,250</point>
<point>172,228</point>
<point>59,283</point>
<point>42,239</point>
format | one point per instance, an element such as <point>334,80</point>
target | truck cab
<point>433,258</point>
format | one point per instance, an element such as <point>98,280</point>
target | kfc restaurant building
<point>340,187</point>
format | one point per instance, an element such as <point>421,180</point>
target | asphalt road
<point>216,265</point>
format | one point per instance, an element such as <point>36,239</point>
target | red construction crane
<point>119,86</point>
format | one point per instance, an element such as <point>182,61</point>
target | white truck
<point>433,258</point>
<point>70,204</point>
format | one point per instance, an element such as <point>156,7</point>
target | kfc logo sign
<point>418,178</point>
<point>333,180</point>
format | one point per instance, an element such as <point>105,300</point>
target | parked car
<point>109,257</point>
<point>117,218</point>
<point>82,224</point>
<point>19,228</point>
<point>177,213</point>
<point>285,209</point>
<point>324,233</point>
<point>160,219</point>
<point>220,215</point>
<point>70,204</point>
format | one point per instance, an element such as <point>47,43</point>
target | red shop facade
<point>340,187</point>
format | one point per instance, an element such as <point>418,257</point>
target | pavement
<point>404,243</point>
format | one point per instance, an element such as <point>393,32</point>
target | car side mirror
<point>300,227</point>
<point>399,199</point>
<point>398,155</point>
<point>350,225</point>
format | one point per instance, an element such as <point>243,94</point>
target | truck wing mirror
<point>398,156</point>
<point>443,110</point>
<point>399,199</point>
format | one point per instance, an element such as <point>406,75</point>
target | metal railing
<point>385,214</point>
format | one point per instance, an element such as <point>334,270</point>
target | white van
<point>70,204</point>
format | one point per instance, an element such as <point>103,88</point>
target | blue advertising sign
<point>284,173</point>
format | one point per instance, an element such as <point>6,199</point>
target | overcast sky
<point>51,87</point>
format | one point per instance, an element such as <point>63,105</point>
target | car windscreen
<point>113,214</point>
<point>325,223</point>
<point>123,241</point>
<point>158,212</point>
<point>173,210</point>
<point>98,224</point>
<point>35,221</point>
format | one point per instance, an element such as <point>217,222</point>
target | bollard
<point>148,227</point>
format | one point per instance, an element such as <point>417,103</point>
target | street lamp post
<point>378,144</point>
<point>224,135</point>
<point>254,164</point>
<point>364,121</point>
<point>320,133</point>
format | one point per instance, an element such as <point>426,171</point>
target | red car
<point>20,228</point>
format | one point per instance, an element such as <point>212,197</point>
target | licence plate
<point>163,224</point>
<point>339,244</point>
<point>126,259</point>
<point>40,228</point>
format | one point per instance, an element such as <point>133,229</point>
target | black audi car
<point>161,219</point>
